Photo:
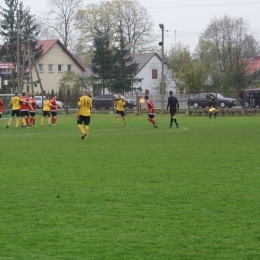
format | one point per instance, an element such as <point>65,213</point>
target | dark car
<point>202,100</point>
<point>107,101</point>
<point>248,97</point>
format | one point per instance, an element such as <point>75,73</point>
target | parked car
<point>107,101</point>
<point>202,100</point>
<point>40,100</point>
<point>256,96</point>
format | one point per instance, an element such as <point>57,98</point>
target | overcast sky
<point>185,20</point>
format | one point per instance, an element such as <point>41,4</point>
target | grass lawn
<point>131,193</point>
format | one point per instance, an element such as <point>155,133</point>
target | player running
<point>151,111</point>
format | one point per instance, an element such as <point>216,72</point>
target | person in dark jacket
<point>212,105</point>
<point>242,97</point>
<point>174,106</point>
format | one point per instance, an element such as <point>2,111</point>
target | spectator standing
<point>242,97</point>
<point>1,109</point>
<point>212,105</point>
<point>174,106</point>
<point>252,96</point>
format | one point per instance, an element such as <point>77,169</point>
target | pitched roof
<point>143,58</point>
<point>48,44</point>
<point>253,65</point>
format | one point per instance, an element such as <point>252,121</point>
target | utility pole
<point>18,68</point>
<point>162,77</point>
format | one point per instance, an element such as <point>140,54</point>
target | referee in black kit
<point>174,106</point>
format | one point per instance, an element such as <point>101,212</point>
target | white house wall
<point>50,80</point>
<point>146,74</point>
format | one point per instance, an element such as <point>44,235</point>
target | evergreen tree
<point>102,63</point>
<point>125,68</point>
<point>28,33</point>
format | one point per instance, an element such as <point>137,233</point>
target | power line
<point>203,5</point>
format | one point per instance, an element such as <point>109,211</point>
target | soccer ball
<point>141,100</point>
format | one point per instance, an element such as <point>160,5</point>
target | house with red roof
<point>54,62</point>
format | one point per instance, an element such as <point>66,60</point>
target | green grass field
<point>131,193</point>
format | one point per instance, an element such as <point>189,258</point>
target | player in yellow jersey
<point>119,104</point>
<point>83,113</point>
<point>46,111</point>
<point>15,102</point>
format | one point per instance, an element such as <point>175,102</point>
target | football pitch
<point>132,192</point>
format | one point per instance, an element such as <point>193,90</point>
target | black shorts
<point>122,113</point>
<point>1,115</point>
<point>16,113</point>
<point>24,113</point>
<point>83,119</point>
<point>46,113</point>
<point>53,113</point>
<point>173,111</point>
<point>150,116</point>
<point>32,113</point>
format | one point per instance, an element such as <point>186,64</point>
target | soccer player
<point>54,106</point>
<point>83,113</point>
<point>1,109</point>
<point>32,110</point>
<point>212,103</point>
<point>46,111</point>
<point>15,102</point>
<point>119,103</point>
<point>24,110</point>
<point>151,111</point>
<point>174,106</point>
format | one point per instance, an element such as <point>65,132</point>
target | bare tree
<point>61,20</point>
<point>107,16</point>
<point>225,47</point>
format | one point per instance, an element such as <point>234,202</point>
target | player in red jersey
<point>24,109</point>
<point>151,111</point>
<point>32,110</point>
<point>1,109</point>
<point>54,106</point>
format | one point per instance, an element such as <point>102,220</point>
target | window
<point>69,67</point>
<point>60,68</point>
<point>50,68</point>
<point>40,67</point>
<point>154,74</point>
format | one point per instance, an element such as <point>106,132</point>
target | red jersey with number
<point>53,104</point>
<point>150,106</point>
<point>33,104</point>
<point>1,106</point>
<point>23,105</point>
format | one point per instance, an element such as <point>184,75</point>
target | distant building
<point>55,60</point>
<point>150,69</point>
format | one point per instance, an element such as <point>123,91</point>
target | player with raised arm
<point>119,104</point>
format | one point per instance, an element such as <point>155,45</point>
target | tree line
<point>103,36</point>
